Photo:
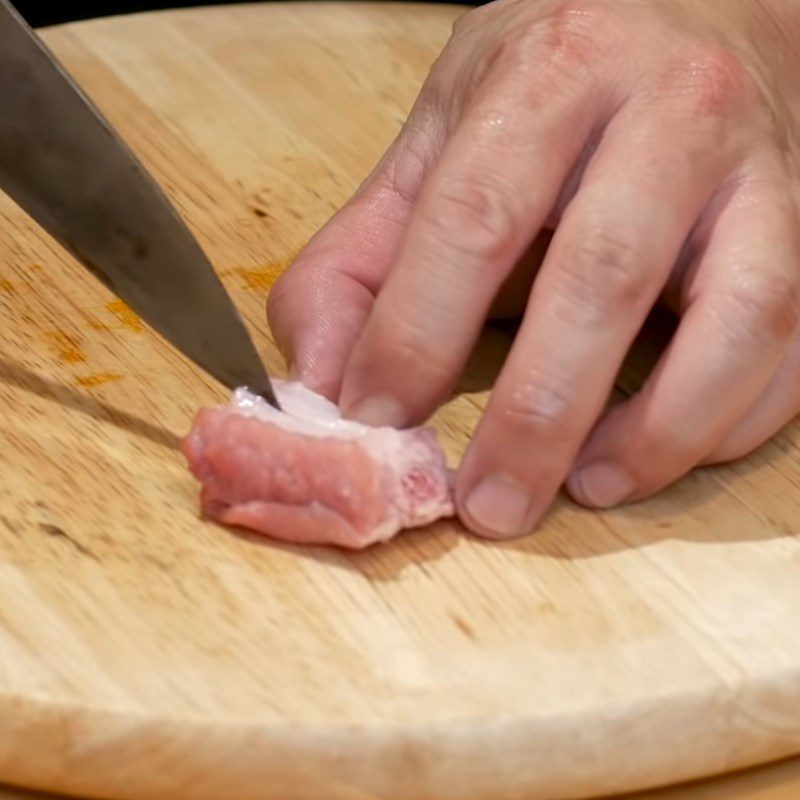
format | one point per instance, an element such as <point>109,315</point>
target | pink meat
<point>305,475</point>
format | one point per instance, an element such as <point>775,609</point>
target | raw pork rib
<point>306,475</point>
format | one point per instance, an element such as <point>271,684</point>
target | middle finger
<point>496,182</point>
<point>642,192</point>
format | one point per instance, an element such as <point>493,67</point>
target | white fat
<point>302,411</point>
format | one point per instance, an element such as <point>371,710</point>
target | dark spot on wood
<point>463,627</point>
<point>60,533</point>
<point>157,562</point>
<point>8,524</point>
<point>260,213</point>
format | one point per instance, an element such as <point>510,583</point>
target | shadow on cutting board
<point>23,378</point>
<point>381,562</point>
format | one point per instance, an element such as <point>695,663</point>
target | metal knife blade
<point>62,163</point>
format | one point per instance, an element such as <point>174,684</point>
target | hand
<point>660,140</point>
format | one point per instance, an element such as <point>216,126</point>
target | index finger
<point>495,184</point>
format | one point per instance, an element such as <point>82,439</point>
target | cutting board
<point>772,782</point>
<point>146,654</point>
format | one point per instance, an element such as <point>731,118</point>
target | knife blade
<point>62,163</point>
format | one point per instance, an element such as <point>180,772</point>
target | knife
<point>63,164</point>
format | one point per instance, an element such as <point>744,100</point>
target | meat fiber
<point>306,475</point>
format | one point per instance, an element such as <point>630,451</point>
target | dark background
<point>44,12</point>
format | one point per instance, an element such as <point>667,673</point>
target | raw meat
<point>306,475</point>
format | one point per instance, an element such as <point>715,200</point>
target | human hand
<point>660,139</point>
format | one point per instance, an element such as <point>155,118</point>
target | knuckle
<point>410,351</point>
<point>475,217</point>
<point>566,43</point>
<point>459,24</point>
<point>666,448</point>
<point>466,21</point>
<point>768,305</point>
<point>603,270</point>
<point>540,407</point>
<point>404,172</point>
<point>577,33</point>
<point>713,80</point>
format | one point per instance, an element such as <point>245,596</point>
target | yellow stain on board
<point>259,279</point>
<point>126,315</point>
<point>12,287</point>
<point>98,379</point>
<point>67,348</point>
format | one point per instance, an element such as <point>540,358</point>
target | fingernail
<point>501,505</point>
<point>601,485</point>
<point>378,410</point>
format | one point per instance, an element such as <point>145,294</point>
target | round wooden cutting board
<point>148,655</point>
<point>772,782</point>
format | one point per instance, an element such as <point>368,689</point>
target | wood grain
<point>148,655</point>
